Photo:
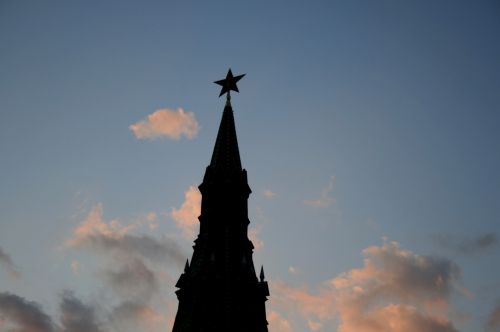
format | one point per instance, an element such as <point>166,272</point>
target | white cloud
<point>324,200</point>
<point>166,123</point>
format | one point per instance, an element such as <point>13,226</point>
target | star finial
<point>229,83</point>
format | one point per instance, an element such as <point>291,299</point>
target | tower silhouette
<point>219,290</point>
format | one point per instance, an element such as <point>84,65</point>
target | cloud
<point>133,281</point>
<point>94,233</point>
<point>467,245</point>
<point>324,200</point>
<point>77,316</point>
<point>253,235</point>
<point>23,315</point>
<point>134,316</point>
<point>8,264</point>
<point>278,323</point>
<point>134,265</point>
<point>166,123</point>
<point>75,267</point>
<point>395,290</point>
<point>493,323</point>
<point>314,326</point>
<point>20,315</point>
<point>186,217</point>
<point>318,306</point>
<point>292,269</point>
<point>269,194</point>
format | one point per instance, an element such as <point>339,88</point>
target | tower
<point>219,290</point>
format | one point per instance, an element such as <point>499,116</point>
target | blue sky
<point>369,130</point>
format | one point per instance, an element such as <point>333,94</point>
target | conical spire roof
<point>226,155</point>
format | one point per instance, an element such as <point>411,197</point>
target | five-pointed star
<point>229,83</point>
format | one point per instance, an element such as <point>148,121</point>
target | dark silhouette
<point>220,291</point>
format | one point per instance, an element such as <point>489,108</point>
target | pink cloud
<point>186,217</point>
<point>277,323</point>
<point>324,200</point>
<point>253,235</point>
<point>95,225</point>
<point>269,194</point>
<point>395,290</point>
<point>166,123</point>
<point>96,234</point>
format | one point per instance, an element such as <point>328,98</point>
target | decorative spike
<point>186,267</point>
<point>262,277</point>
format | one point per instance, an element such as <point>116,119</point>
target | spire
<point>226,154</point>
<point>186,267</point>
<point>262,276</point>
<point>219,288</point>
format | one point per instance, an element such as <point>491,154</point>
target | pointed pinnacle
<point>186,267</point>
<point>262,277</point>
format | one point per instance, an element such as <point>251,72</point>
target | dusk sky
<point>370,131</point>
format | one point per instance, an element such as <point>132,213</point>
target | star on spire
<point>229,83</point>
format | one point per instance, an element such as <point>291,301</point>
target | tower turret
<point>219,290</point>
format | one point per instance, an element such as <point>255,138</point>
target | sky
<point>369,130</point>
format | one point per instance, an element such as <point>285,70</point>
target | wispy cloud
<point>166,123</point>
<point>324,200</point>
<point>8,264</point>
<point>467,245</point>
<point>269,194</point>
<point>186,217</point>
<point>396,290</point>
